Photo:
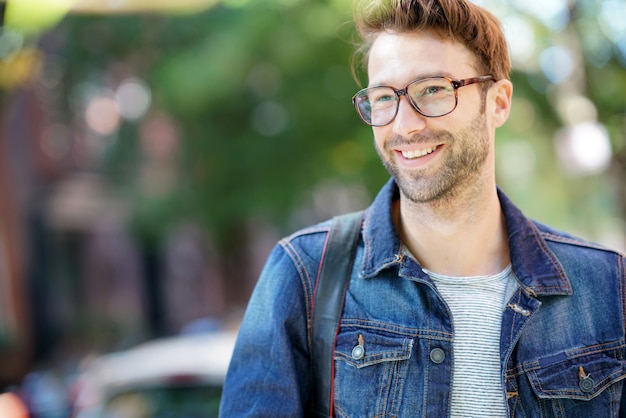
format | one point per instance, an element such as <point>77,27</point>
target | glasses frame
<point>456,85</point>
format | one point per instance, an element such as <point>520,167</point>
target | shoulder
<point>579,253</point>
<point>557,238</point>
<point>311,242</point>
<point>296,257</point>
<point>306,243</point>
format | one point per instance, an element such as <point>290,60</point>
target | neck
<point>461,235</point>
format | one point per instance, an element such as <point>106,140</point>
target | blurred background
<point>152,152</point>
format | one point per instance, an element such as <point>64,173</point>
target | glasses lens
<point>433,96</point>
<point>377,106</point>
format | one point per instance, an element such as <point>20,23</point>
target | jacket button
<point>358,352</point>
<point>437,355</point>
<point>586,384</point>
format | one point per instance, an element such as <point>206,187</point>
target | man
<point>458,304</point>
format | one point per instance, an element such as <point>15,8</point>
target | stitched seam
<point>577,242</point>
<point>393,329</point>
<point>304,277</point>
<point>532,366</point>
<point>544,248</point>
<point>622,274</point>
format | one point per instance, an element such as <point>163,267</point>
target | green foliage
<point>261,96</point>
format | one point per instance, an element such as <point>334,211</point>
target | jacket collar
<point>535,265</point>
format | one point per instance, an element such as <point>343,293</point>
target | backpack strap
<point>332,283</point>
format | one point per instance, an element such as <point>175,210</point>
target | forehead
<point>398,58</point>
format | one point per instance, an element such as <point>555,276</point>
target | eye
<point>432,91</point>
<point>382,97</point>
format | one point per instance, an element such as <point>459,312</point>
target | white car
<point>177,377</point>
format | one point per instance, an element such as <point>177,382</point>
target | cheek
<point>380,134</point>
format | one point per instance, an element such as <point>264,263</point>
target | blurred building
<point>74,278</point>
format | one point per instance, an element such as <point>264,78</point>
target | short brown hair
<point>467,23</point>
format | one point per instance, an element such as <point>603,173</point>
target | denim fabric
<point>562,338</point>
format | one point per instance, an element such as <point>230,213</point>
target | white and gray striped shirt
<point>477,304</point>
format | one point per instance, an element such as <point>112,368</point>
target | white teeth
<point>417,153</point>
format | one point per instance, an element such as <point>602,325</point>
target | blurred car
<point>177,377</point>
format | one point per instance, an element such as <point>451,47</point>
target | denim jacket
<point>561,346</point>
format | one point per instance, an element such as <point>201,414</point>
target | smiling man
<point>457,305</point>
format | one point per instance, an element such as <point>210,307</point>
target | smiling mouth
<point>410,155</point>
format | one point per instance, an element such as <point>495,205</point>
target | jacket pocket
<point>581,377</point>
<point>370,369</point>
<point>362,349</point>
<point>582,383</point>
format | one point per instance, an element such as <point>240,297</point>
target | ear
<point>500,98</point>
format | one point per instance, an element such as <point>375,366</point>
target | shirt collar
<point>534,264</point>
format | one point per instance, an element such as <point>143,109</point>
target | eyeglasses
<point>431,97</point>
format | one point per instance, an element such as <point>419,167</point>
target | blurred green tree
<point>250,117</point>
<point>260,95</point>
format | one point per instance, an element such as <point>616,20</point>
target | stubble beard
<point>466,154</point>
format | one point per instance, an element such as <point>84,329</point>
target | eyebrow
<point>420,77</point>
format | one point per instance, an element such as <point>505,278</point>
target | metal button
<point>437,355</point>
<point>586,384</point>
<point>358,352</point>
<point>520,310</point>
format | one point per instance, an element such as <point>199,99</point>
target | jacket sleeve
<point>269,374</point>
<point>622,278</point>
<point>622,269</point>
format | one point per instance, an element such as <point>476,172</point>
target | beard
<point>465,154</point>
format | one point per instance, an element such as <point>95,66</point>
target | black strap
<point>336,269</point>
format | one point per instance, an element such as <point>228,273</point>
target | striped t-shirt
<point>477,304</point>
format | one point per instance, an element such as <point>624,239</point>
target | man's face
<point>431,158</point>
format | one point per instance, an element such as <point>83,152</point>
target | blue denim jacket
<point>562,339</point>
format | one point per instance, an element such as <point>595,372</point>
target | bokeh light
<point>133,98</point>
<point>103,115</point>
<point>584,149</point>
<point>270,118</point>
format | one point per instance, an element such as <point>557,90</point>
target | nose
<point>407,121</point>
